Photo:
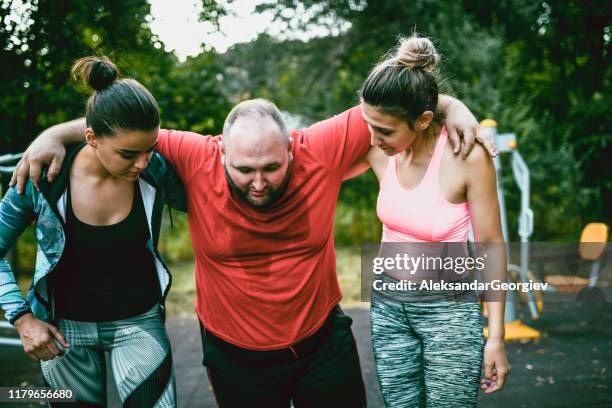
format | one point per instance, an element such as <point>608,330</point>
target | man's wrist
<point>23,319</point>
<point>445,104</point>
<point>65,133</point>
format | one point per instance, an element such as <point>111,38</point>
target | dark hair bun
<point>96,72</point>
<point>417,52</point>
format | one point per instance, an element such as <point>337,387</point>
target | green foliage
<point>38,50</point>
<point>190,96</point>
<point>542,70</point>
<point>38,45</point>
<point>36,88</point>
<point>175,240</point>
<point>556,70</point>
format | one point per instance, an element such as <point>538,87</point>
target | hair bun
<point>96,72</point>
<point>418,52</point>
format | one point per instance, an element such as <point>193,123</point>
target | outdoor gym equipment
<point>8,341</point>
<point>8,158</point>
<point>592,248</point>
<point>593,242</point>
<point>506,143</point>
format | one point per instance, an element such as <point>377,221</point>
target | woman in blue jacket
<point>99,284</point>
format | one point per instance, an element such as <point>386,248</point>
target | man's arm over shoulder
<point>174,191</point>
<point>47,148</point>
<point>339,141</point>
<point>187,152</point>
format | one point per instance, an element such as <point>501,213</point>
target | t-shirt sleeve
<point>339,141</point>
<point>186,151</point>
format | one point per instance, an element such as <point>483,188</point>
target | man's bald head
<point>256,152</point>
<point>260,115</point>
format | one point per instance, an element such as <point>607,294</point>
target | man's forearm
<point>67,132</point>
<point>447,103</point>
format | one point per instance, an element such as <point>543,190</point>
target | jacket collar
<point>54,190</point>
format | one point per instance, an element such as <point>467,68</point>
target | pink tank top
<point>420,214</point>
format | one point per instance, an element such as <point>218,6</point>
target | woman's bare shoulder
<point>378,161</point>
<point>478,159</point>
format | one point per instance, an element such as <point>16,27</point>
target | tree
<point>40,41</point>
<point>541,69</point>
<point>559,56</point>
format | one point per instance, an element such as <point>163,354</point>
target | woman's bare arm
<point>489,240</point>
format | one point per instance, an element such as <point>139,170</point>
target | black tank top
<point>106,272</point>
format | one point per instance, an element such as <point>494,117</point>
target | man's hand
<point>42,151</point>
<point>464,130</point>
<point>48,148</point>
<point>39,338</point>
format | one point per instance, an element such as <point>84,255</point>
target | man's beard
<point>272,196</point>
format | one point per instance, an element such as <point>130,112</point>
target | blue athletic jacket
<point>159,185</point>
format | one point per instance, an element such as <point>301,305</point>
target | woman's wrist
<point>495,339</point>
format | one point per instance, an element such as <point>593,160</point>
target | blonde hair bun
<point>418,53</point>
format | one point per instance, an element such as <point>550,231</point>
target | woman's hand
<point>38,338</point>
<point>495,366</point>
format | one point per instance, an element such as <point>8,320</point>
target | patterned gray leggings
<point>428,354</point>
<point>140,358</point>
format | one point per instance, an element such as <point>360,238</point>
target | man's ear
<point>222,151</point>
<point>424,120</point>
<point>90,138</point>
<point>290,150</point>
<point>290,145</point>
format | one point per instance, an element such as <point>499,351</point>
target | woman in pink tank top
<point>428,354</point>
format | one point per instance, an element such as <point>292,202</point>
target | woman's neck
<point>88,164</point>
<point>423,146</point>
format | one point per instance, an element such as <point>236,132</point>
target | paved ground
<point>571,366</point>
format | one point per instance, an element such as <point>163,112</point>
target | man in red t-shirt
<point>261,205</point>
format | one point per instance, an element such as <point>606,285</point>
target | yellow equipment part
<point>567,283</point>
<point>517,330</point>
<point>488,123</point>
<point>593,241</point>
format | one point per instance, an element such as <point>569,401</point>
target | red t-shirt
<point>267,279</point>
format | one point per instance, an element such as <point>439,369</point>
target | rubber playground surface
<point>570,366</point>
